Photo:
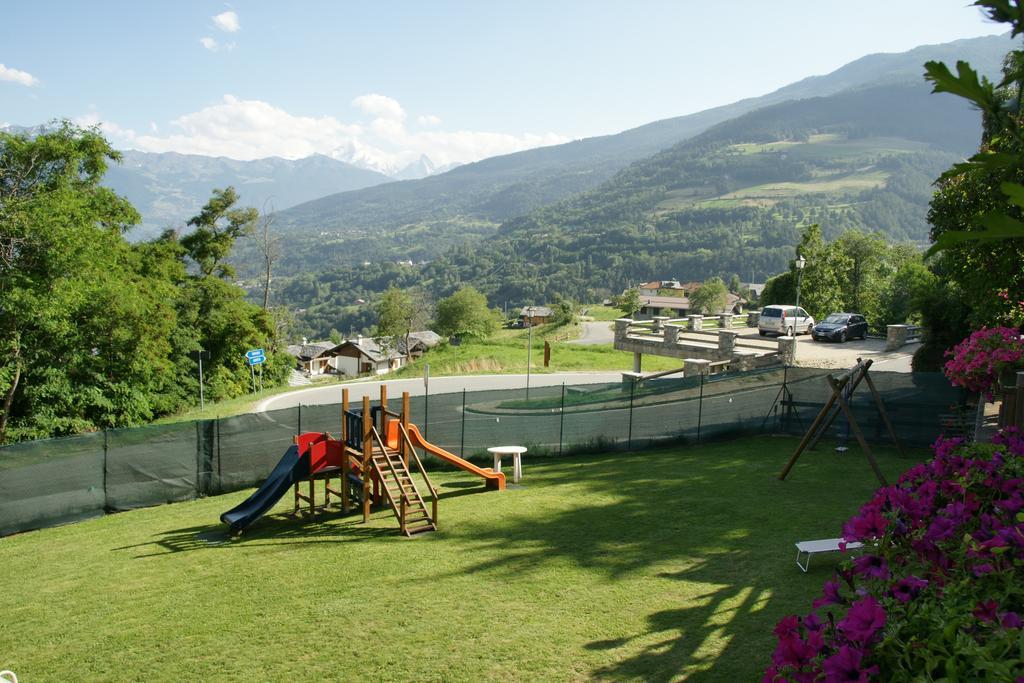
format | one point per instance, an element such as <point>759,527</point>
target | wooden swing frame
<point>838,403</point>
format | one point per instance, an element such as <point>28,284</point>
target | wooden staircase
<point>401,492</point>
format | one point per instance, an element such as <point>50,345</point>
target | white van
<point>784,320</point>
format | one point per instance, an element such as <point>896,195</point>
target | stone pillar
<point>622,327</point>
<point>672,334</point>
<point>695,366</point>
<point>659,323</point>
<point>725,321</point>
<point>695,322</point>
<point>753,318</point>
<point>727,341</point>
<point>637,356</point>
<point>895,336</point>
<point>630,378</point>
<point>743,360</point>
<point>787,350</point>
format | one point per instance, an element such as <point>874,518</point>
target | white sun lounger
<point>825,545</point>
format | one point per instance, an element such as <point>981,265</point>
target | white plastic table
<point>517,463</point>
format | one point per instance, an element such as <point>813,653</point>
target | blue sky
<point>382,82</point>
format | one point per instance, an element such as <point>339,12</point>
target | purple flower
<point>986,611</point>
<point>867,525</point>
<point>871,566</point>
<point>863,621</point>
<point>907,589</point>
<point>831,596</point>
<point>794,651</point>
<point>940,529</point>
<point>787,626</point>
<point>1010,620</point>
<point>812,623</point>
<point>845,666</point>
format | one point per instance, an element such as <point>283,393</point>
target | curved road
<point>596,332</point>
<point>438,385</point>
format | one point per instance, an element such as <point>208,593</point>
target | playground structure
<point>371,463</point>
<point>842,388</point>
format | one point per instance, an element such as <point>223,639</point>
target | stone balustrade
<point>695,323</point>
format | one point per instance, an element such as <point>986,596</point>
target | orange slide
<point>492,479</point>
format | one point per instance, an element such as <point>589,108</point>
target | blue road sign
<point>254,353</point>
<point>257,360</point>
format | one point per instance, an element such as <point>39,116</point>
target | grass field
<point>657,566</point>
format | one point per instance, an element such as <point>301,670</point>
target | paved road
<point>438,385</point>
<point>597,332</point>
<point>809,353</point>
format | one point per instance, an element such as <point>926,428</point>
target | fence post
<point>632,391</point>
<point>220,486</point>
<point>561,421</point>
<point>700,405</point>
<point>106,445</point>
<point>462,445</point>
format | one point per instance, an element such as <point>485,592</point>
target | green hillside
<point>470,201</point>
<point>729,201</point>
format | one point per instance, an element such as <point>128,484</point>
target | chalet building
<point>671,298</point>
<point>535,315</point>
<point>312,358</point>
<point>362,355</point>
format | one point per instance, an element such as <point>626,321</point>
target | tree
<point>465,314</point>
<point>711,297</point>
<point>628,302</point>
<point>217,226</point>
<point>84,331</point>
<point>270,249</point>
<point>399,313</point>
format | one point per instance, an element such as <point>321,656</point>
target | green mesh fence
<point>50,482</point>
<point>44,483</point>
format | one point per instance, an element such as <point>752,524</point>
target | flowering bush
<point>939,591</point>
<point>976,362</point>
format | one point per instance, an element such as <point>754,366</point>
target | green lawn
<point>660,565</point>
<point>505,352</point>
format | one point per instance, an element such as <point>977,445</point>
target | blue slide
<point>292,468</point>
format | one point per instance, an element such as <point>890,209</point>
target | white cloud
<point>209,43</point>
<point>252,129</point>
<point>380,106</point>
<point>428,120</point>
<point>17,76</point>
<point>227,21</point>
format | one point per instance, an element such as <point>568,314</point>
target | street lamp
<point>800,263</point>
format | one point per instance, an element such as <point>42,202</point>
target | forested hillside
<point>420,219</point>
<point>729,201</point>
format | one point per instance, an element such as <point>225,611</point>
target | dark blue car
<point>840,327</point>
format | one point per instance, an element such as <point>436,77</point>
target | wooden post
<point>367,454</point>
<point>860,370</point>
<point>881,410</point>
<point>344,412</point>
<point>809,435</point>
<point>344,451</point>
<point>837,392</point>
<point>383,408</point>
<point>405,426</point>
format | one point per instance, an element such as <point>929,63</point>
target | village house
<point>535,315</point>
<point>362,355</point>
<point>671,298</point>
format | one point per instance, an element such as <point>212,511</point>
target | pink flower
<point>986,611</point>
<point>845,665</point>
<point>863,621</point>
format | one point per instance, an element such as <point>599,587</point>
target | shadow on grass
<point>714,518</point>
<point>331,526</point>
